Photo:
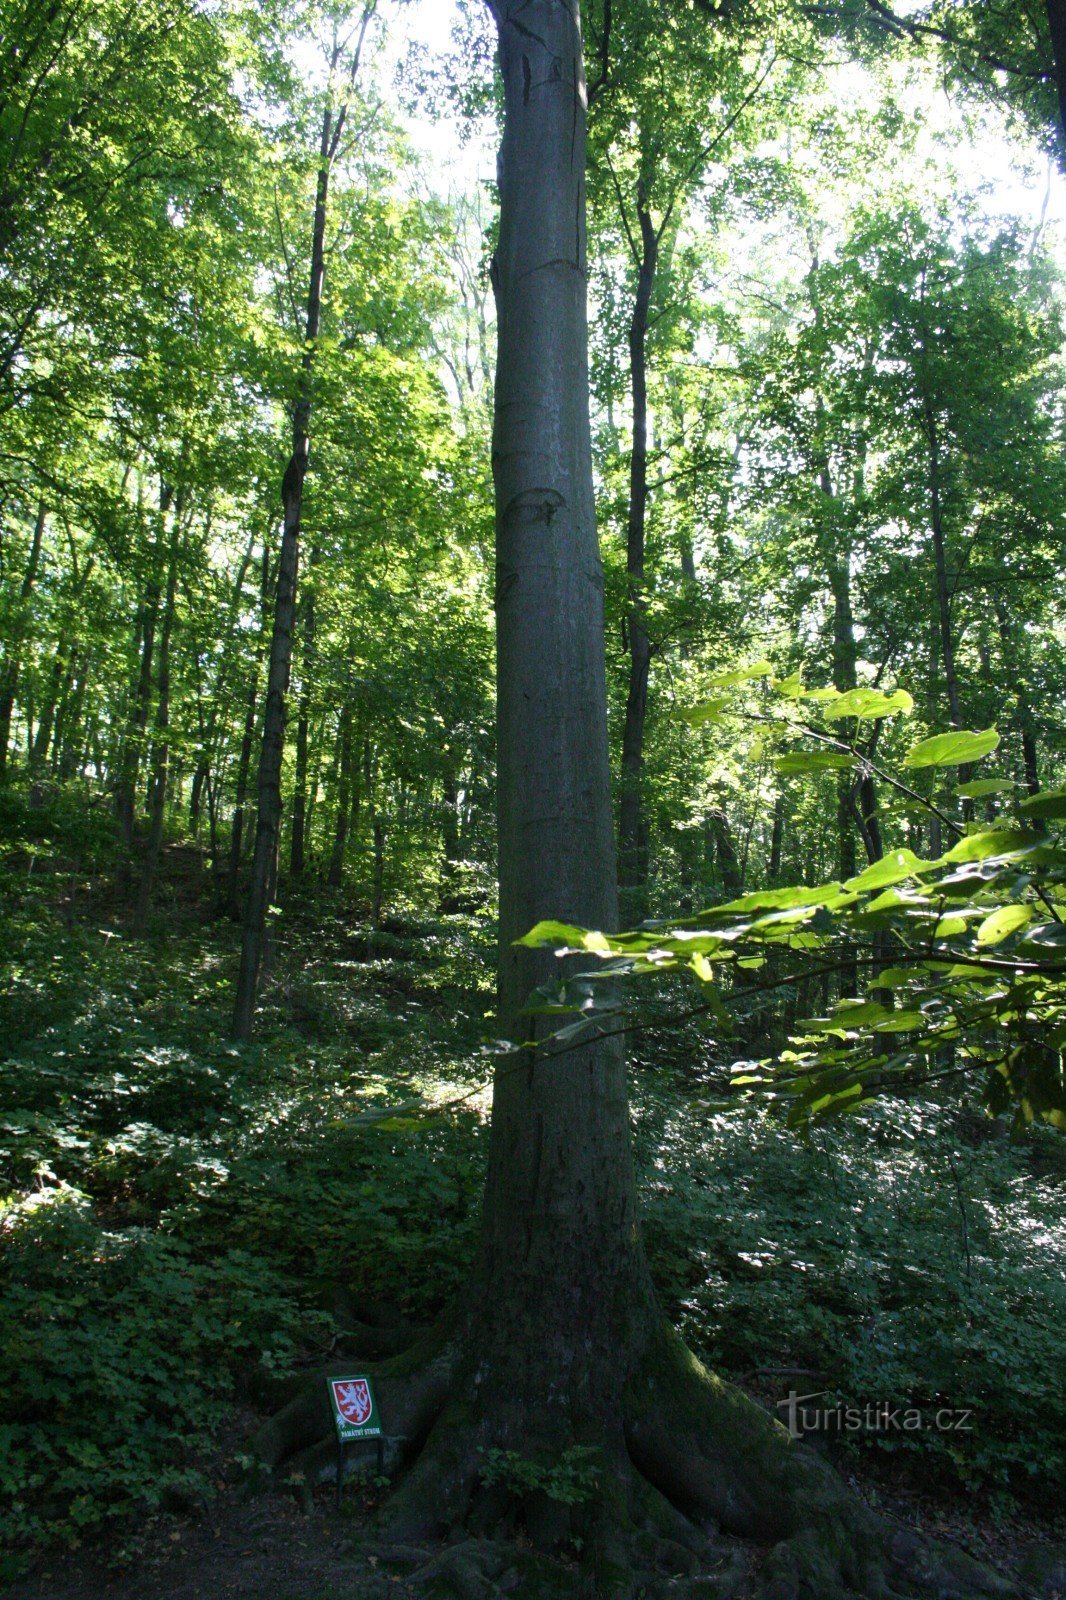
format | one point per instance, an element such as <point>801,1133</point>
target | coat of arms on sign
<point>355,1415</point>
<point>352,1399</point>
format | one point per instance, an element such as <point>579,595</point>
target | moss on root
<point>699,1477</point>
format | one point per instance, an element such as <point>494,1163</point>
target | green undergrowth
<point>912,1260</point>
<point>179,1216</point>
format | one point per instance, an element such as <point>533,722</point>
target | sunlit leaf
<point>952,749</point>
<point>892,868</point>
<point>707,711</point>
<point>554,933</point>
<point>724,680</point>
<point>815,761</point>
<point>993,842</point>
<point>869,704</point>
<point>978,788</point>
<point>1002,923</point>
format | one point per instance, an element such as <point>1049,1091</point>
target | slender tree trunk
<point>632,830</point>
<point>1056,15</point>
<point>160,761</point>
<point>132,751</point>
<point>777,838</point>
<point>838,572</point>
<point>65,709</point>
<point>377,896</point>
<point>1013,674</point>
<point>943,591</point>
<point>13,654</point>
<point>196,793</point>
<point>727,864</point>
<point>345,745</point>
<point>219,699</point>
<point>299,788</point>
<point>244,760</point>
<point>240,800</point>
<point>268,819</point>
<point>42,738</point>
<point>74,735</point>
<point>451,845</point>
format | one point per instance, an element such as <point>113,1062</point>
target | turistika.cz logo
<point>876,1416</point>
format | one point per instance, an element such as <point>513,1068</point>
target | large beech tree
<point>559,1341</point>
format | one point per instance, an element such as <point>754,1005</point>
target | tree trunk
<point>943,590</point>
<point>73,739</point>
<point>1014,674</point>
<point>132,750</point>
<point>777,838</point>
<point>377,893</point>
<point>558,1340</point>
<point>1056,16</point>
<point>268,819</point>
<point>632,831</point>
<point>42,738</point>
<point>240,799</point>
<point>13,654</point>
<point>299,787</point>
<point>244,759</point>
<point>345,745</point>
<point>160,762</point>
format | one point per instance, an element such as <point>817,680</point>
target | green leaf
<point>892,899</point>
<point>705,712</point>
<point>896,977</point>
<point>993,842</point>
<point>892,868</point>
<point>983,786</point>
<point>952,749</point>
<point>1002,923</point>
<point>782,899</point>
<point>902,1022</point>
<point>1048,803</point>
<point>815,761</point>
<point>849,1016</point>
<point>557,933</point>
<point>869,704</point>
<point>724,680</point>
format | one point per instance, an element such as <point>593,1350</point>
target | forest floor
<point>267,1548</point>
<point>181,1216</point>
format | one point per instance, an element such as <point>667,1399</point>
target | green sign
<point>355,1412</point>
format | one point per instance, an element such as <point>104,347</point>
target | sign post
<point>355,1416</point>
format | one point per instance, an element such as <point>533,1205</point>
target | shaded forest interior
<point>256,804</point>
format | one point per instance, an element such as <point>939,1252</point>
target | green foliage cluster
<point>854,467</point>
<point>180,1220</point>
<point>183,1220</point>
<point>571,1479</point>
<point>120,1350</point>
<point>963,956</point>
<point>917,1262</point>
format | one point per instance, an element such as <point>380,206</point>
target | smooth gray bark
<point>561,1260</point>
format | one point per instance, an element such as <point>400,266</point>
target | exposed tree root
<point>694,1475</point>
<point>411,1389</point>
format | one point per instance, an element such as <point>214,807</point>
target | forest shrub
<point>846,1257</point>
<point>181,1212</point>
<point>118,1353</point>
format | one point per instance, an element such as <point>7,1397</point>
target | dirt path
<point>264,1549</point>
